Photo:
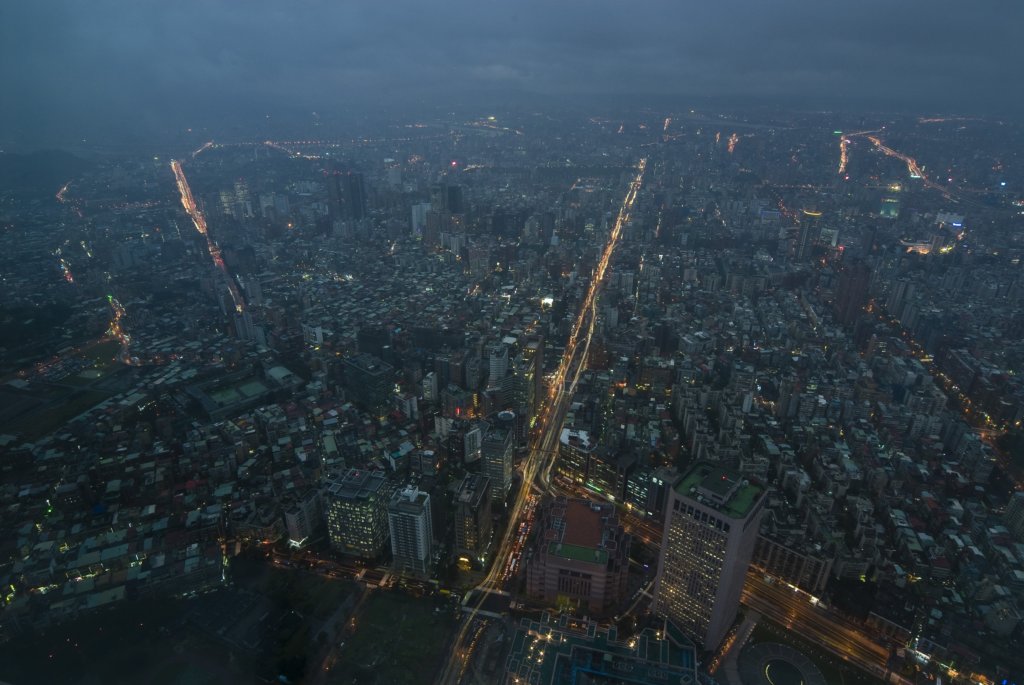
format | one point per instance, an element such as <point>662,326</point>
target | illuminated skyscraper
<point>357,513</point>
<point>498,364</point>
<point>809,232</point>
<point>473,516</point>
<point>711,526</point>
<point>412,533</point>
<point>498,453</point>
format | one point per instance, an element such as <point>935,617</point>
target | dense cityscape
<point>473,400</point>
<point>530,344</point>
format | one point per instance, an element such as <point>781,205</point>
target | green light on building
<point>890,208</point>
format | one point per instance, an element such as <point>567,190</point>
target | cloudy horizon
<point>70,66</point>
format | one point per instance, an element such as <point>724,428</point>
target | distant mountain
<point>43,172</point>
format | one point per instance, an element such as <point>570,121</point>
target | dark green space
<point>132,642</point>
<point>43,422</point>
<point>398,640</point>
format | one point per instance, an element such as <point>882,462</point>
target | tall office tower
<point>524,393</point>
<point>497,357</point>
<point>582,556</point>
<point>448,198</point>
<point>497,454</point>
<point>574,450</point>
<point>355,195</point>
<point>369,381</point>
<point>346,195</point>
<point>473,517</point>
<point>357,513</point>
<point>711,526</point>
<point>335,201</point>
<point>534,352</point>
<point>851,292</point>
<point>429,385</point>
<point>412,534</point>
<point>809,230</point>
<point>418,218</point>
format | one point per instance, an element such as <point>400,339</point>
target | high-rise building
<point>574,450</point>
<point>355,196</point>
<point>533,352</point>
<point>497,357</point>
<point>357,513</point>
<point>524,390</point>
<point>412,532</point>
<point>369,381</point>
<point>582,556</point>
<point>346,194</point>
<point>711,527</point>
<point>808,233</point>
<point>301,517</point>
<point>473,517</point>
<point>418,218</point>
<point>448,198</point>
<point>497,452</point>
<point>851,292</point>
<point>429,385</point>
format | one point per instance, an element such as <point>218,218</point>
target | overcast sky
<point>68,65</point>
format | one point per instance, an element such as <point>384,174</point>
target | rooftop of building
<point>473,488</point>
<point>580,531</point>
<point>583,525</point>
<point>357,484</point>
<point>578,553</point>
<point>579,438</point>
<point>720,488</point>
<point>409,499</point>
<point>369,364</point>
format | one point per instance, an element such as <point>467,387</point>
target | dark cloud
<point>65,63</point>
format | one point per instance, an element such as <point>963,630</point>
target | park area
<point>397,639</point>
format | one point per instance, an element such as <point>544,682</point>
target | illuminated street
<point>116,329</point>
<point>544,448</point>
<point>199,221</point>
<point>794,610</point>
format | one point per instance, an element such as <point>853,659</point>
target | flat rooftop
<point>720,488</point>
<point>581,531</point>
<point>357,484</point>
<point>578,553</point>
<point>583,525</point>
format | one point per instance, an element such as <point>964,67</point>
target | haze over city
<point>106,67</point>
<point>549,343</point>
